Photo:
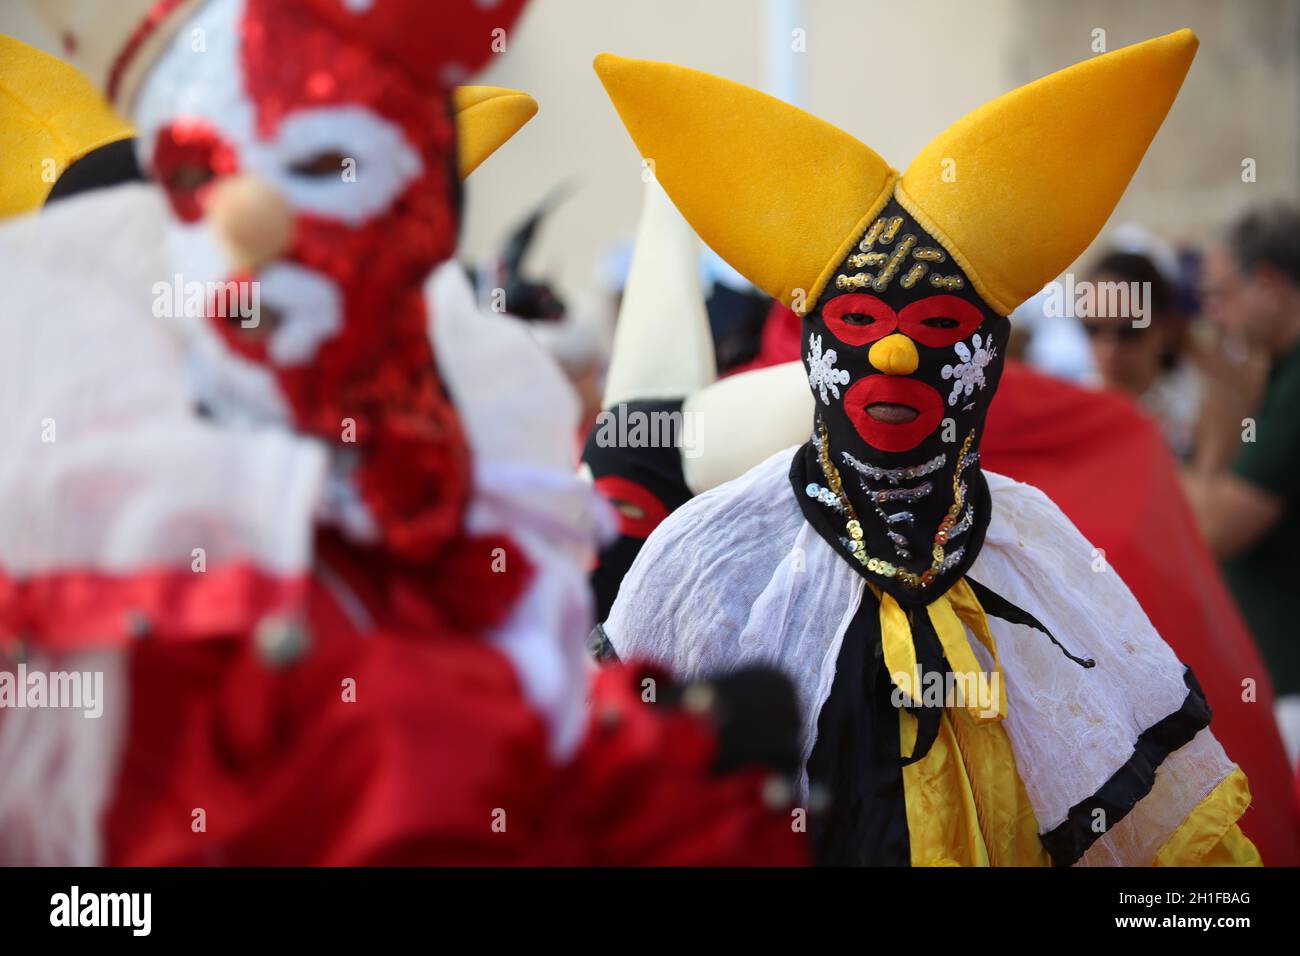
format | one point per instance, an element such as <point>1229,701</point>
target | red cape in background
<point>782,333</point>
<point>1106,466</point>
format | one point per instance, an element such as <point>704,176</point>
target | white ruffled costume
<point>106,464</point>
<point>737,576</point>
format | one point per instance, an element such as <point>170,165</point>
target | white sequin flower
<point>822,373</point>
<point>968,375</point>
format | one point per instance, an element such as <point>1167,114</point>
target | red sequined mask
<point>316,106</point>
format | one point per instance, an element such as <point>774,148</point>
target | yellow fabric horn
<point>50,117</point>
<point>1018,188</point>
<point>487,116</point>
<point>778,193</point>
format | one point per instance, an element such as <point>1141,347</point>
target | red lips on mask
<point>895,391</point>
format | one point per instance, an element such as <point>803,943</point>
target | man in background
<point>1244,484</point>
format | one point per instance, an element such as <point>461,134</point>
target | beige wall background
<point>892,73</point>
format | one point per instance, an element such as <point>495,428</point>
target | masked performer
<point>979,690</point>
<point>335,617</point>
<point>1099,459</point>
<point>1095,454</point>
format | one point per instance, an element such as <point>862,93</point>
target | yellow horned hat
<point>50,117</point>
<point>115,43</point>
<point>1015,190</point>
<point>51,110</point>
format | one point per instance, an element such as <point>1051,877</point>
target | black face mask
<point>903,358</point>
<point>644,483</point>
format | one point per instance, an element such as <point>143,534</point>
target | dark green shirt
<point>1266,579</point>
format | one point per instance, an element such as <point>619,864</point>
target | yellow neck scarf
<point>955,608</point>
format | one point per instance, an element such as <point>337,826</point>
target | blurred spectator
<point>1147,361</point>
<point>1245,482</point>
<point>1049,341</point>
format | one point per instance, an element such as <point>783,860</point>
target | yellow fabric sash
<point>948,613</point>
<point>966,804</point>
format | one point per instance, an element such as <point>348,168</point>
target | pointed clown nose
<point>894,355</point>
<point>254,222</point>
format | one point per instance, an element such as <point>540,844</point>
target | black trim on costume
<point>1133,781</point>
<point>931,659</point>
<point>855,761</point>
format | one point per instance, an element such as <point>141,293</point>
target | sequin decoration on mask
<point>908,512</point>
<point>822,373</point>
<point>968,374</point>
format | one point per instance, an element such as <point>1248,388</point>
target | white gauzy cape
<point>737,576</point>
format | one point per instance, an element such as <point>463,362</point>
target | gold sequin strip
<point>946,282</point>
<point>868,259</point>
<point>886,276</point>
<point>885,231</point>
<point>940,560</point>
<point>872,235</point>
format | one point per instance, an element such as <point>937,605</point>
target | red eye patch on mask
<point>639,511</point>
<point>189,157</point>
<point>936,321</point>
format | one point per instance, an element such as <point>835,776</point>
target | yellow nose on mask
<point>894,355</point>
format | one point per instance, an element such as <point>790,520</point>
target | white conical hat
<point>114,42</point>
<point>743,420</point>
<point>663,348</point>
